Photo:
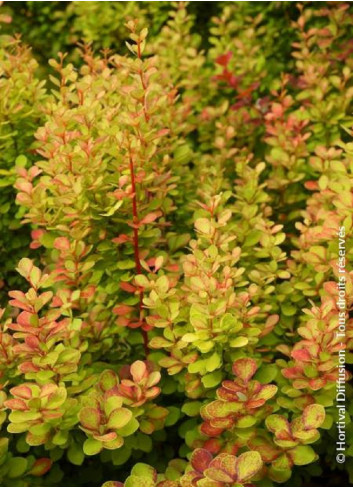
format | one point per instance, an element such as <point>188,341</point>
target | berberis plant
<point>174,187</point>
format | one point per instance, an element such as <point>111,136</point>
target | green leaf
<point>212,379</point>
<point>239,342</point>
<point>182,155</point>
<point>191,408</point>
<point>75,454</point>
<point>266,373</point>
<point>121,456</point>
<point>92,447</point>
<point>173,416</point>
<point>129,428</point>
<point>144,470</point>
<point>21,160</point>
<point>16,467</point>
<point>108,379</point>
<point>213,362</point>
<point>119,418</point>
<point>252,238</point>
<point>302,455</point>
<point>246,421</point>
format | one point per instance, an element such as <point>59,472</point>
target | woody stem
<point>136,247</point>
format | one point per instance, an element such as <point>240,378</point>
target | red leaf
<point>224,59</point>
<point>122,309</point>
<point>127,287</point>
<point>200,459</point>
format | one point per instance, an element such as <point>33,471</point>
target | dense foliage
<point>174,180</point>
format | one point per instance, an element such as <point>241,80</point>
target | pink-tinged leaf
<point>22,391</point>
<point>107,437</point>
<point>291,372</point>
<point>271,321</point>
<point>27,319</point>
<point>20,300</point>
<point>200,459</point>
<point>41,467</point>
<point>313,416</point>
<point>62,244</point>
<point>48,389</point>
<point>35,440</point>
<point>24,186</point>
<point>158,412</point>
<point>138,371</point>
<point>248,465</point>
<point>152,392</point>
<point>32,342</point>
<point>26,367</point>
<point>244,368</point>
<point>266,392</point>
<point>152,216</point>
<point>6,19</point>
<point>127,287</point>
<point>317,384</point>
<point>122,238</point>
<point>301,355</point>
<point>37,233</point>
<point>162,132</point>
<point>88,292</point>
<point>119,418</point>
<point>122,310</point>
<point>220,409</point>
<point>254,404</point>
<point>311,185</point>
<point>90,418</point>
<point>153,379</point>
<point>44,298</point>
<point>16,404</point>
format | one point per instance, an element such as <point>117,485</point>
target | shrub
<point>177,320</point>
<point>23,93</point>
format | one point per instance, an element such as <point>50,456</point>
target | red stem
<point>136,247</point>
